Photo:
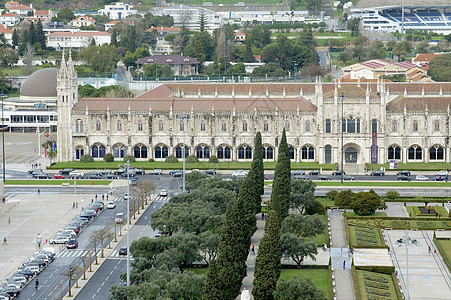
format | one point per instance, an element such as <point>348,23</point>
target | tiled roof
<point>406,64</point>
<point>20,6</point>
<point>10,14</point>
<point>425,57</point>
<point>164,29</point>
<point>245,88</point>
<point>159,92</point>
<point>84,18</point>
<point>167,59</point>
<point>351,91</point>
<point>228,104</point>
<point>4,29</point>
<point>419,103</point>
<point>42,12</point>
<point>80,33</point>
<point>375,63</point>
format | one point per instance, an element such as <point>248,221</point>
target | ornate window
<point>160,125</point>
<point>98,125</point>
<point>307,126</point>
<point>291,152</point>
<point>287,125</point>
<point>202,125</point>
<point>265,126</point>
<point>98,151</point>
<point>394,126</point>
<point>202,152</point>
<point>394,152</point>
<point>223,152</point>
<point>350,125</point>
<point>179,152</point>
<point>328,126</point>
<point>182,125</point>
<point>140,151</point>
<point>161,152</point>
<point>328,154</point>
<point>79,152</point>
<point>140,125</point>
<point>224,126</point>
<point>119,151</point>
<point>79,128</point>
<point>119,125</point>
<point>268,152</point>
<point>308,153</point>
<point>436,125</point>
<point>244,125</point>
<point>437,153</point>
<point>244,152</point>
<point>415,126</point>
<point>415,152</point>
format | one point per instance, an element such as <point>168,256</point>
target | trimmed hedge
<point>377,269</point>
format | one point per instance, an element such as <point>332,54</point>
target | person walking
<point>39,191</point>
<point>73,204</point>
<point>344,264</point>
<point>36,285</point>
<point>76,204</point>
<point>429,250</point>
<point>5,241</point>
<point>253,250</point>
<point>9,220</point>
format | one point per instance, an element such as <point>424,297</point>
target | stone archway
<point>351,155</point>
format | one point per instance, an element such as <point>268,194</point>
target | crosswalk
<point>73,253</point>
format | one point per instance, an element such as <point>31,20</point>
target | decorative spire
<point>63,67</point>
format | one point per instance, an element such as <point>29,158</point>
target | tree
<point>32,34</point>
<point>304,226</point>
<point>71,273</point>
<point>270,69</point>
<point>212,284</point>
<point>28,57</point>
<point>399,50</point>
<point>354,26</point>
<point>258,158</point>
<point>149,38</point>
<point>130,40</point>
<point>280,196</point>
<point>202,20</point>
<point>302,194</point>
<point>440,68</point>
<point>267,263</point>
<point>114,38</point>
<point>344,57</point>
<point>359,52</point>
<point>248,56</point>
<point>40,35</point>
<point>259,36</point>
<point>365,203</point>
<point>344,198</point>
<point>8,57</point>
<point>269,53</point>
<point>143,190</point>
<point>239,69</point>
<point>208,246</point>
<point>101,59</point>
<point>361,41</point>
<point>65,15</point>
<point>297,288</point>
<point>297,248</point>
<point>15,38</point>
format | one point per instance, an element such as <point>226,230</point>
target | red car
<point>72,244</point>
<point>58,176</point>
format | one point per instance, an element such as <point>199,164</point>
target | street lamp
<point>2,95</point>
<point>183,118</point>
<point>407,242</point>
<point>295,63</point>
<point>342,96</point>
<point>128,222</point>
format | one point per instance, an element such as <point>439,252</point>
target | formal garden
<point>375,285</point>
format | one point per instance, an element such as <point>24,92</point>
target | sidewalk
<point>339,253</point>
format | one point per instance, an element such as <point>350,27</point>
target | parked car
<point>34,170</point>
<point>94,176</point>
<point>12,290</point>
<point>210,172</point>
<point>348,177</point>
<point>111,205</point>
<point>72,244</point>
<point>120,171</point>
<point>73,228</point>
<point>43,176</point>
<point>119,218</point>
<point>66,171</point>
<point>76,174</point>
<point>377,173</point>
<point>123,251</point>
<point>314,172</point>
<point>112,176</point>
<point>19,280</point>
<point>403,178</point>
<point>440,178</point>
<point>324,177</point>
<point>134,181</point>
<point>297,172</point>
<point>176,173</point>
<point>138,171</point>
<point>240,173</point>
<point>164,193</point>
<point>421,178</point>
<point>59,239</point>
<point>301,177</point>
<point>335,173</point>
<point>403,172</point>
<point>105,171</point>
<point>442,173</point>
<point>155,172</point>
<point>58,176</point>
<point>126,174</point>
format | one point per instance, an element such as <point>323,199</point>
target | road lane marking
<point>102,283</point>
<point>93,296</point>
<point>98,290</point>
<point>111,273</point>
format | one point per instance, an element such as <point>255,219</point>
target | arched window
<point>140,151</point>
<point>160,125</point>
<point>79,152</point>
<point>328,126</point>
<point>98,125</point>
<point>415,152</point>
<point>265,126</point>
<point>224,126</point>
<point>179,153</point>
<point>351,125</point>
<point>394,152</point>
<point>436,125</point>
<point>119,125</point>
<point>202,125</point>
<point>291,152</point>
<point>119,151</point>
<point>415,126</point>
<point>328,154</point>
<point>308,153</point>
<point>223,152</point>
<point>268,152</point>
<point>307,126</point>
<point>244,125</point>
<point>244,152</point>
<point>394,126</point>
<point>98,151</point>
<point>140,125</point>
<point>161,152</point>
<point>182,125</point>
<point>287,125</point>
<point>437,153</point>
<point>202,152</point>
<point>79,126</point>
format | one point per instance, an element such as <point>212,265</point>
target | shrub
<point>191,159</point>
<point>151,160</point>
<point>86,159</point>
<point>344,198</point>
<point>316,208</point>
<point>213,159</point>
<point>171,159</point>
<point>108,157</point>
<point>332,194</point>
<point>129,158</point>
<point>365,203</point>
<point>392,195</point>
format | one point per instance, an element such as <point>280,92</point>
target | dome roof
<point>41,83</point>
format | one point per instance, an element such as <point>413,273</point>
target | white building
<point>188,16</point>
<point>77,40</point>
<point>9,19</point>
<point>163,46</point>
<point>83,21</point>
<point>8,33</point>
<point>22,10</point>
<point>118,11</point>
<point>265,17</point>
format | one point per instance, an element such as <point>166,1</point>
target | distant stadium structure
<point>386,15</point>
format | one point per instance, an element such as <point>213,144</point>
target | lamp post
<point>407,242</point>
<point>3,138</point>
<point>295,63</point>
<point>183,118</point>
<point>342,96</point>
<point>128,222</point>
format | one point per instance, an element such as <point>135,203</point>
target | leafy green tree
<point>212,282</point>
<point>306,37</point>
<point>269,53</point>
<point>304,226</point>
<point>65,15</point>
<point>399,50</point>
<point>280,196</point>
<point>345,57</point>
<point>259,36</point>
<point>359,52</point>
<point>185,285</point>
<point>8,57</point>
<point>440,68</point>
<point>31,34</point>
<point>202,20</point>
<point>270,69</point>
<point>248,56</point>
<point>267,263</point>
<point>101,59</point>
<point>365,203</point>
<point>149,38</point>
<point>332,194</point>
<point>297,248</point>
<point>208,246</point>
<point>130,40</point>
<point>285,52</point>
<point>114,38</point>
<point>239,69</point>
<point>158,70</point>
<point>302,194</point>
<point>361,41</point>
<point>40,35</point>
<point>344,198</point>
<point>297,288</point>
<point>354,26</point>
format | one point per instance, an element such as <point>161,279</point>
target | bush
<point>151,160</point>
<point>332,194</point>
<point>108,157</point>
<point>392,195</point>
<point>129,158</point>
<point>365,203</point>
<point>344,198</point>
<point>86,159</point>
<point>213,159</point>
<point>191,159</point>
<point>316,208</point>
<point>171,159</point>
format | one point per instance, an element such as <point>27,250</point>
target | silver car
<point>421,178</point>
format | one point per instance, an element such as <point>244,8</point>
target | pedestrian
<point>39,191</point>
<point>9,220</point>
<point>344,264</point>
<point>5,241</point>
<point>263,216</point>
<point>429,250</point>
<point>76,204</point>
<point>36,285</point>
<point>96,197</point>
<point>103,196</point>
<point>92,200</point>
<point>250,249</point>
<point>107,197</point>
<point>253,250</point>
<point>73,204</point>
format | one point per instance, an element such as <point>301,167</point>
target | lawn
<point>321,239</point>
<point>320,277</point>
<point>198,271</point>
<point>444,247</point>
<point>440,209</point>
<point>353,214</point>
<point>400,223</point>
<point>325,201</point>
<point>376,285</point>
<point>364,234</point>
<point>369,184</point>
<point>56,182</point>
<point>432,166</point>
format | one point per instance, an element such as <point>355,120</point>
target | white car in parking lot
<point>111,205</point>
<point>58,239</point>
<point>163,193</point>
<point>442,173</point>
<point>421,178</point>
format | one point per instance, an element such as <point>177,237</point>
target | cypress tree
<point>114,38</point>
<point>212,284</point>
<point>15,38</point>
<point>24,41</point>
<point>267,263</point>
<point>32,34</point>
<point>40,35</point>
<point>280,196</point>
<point>258,158</point>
